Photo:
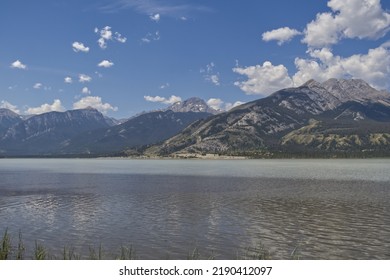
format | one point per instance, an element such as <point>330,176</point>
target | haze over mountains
<point>337,117</point>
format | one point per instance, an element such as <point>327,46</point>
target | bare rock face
<point>193,104</point>
<point>344,109</point>
<point>344,90</point>
<point>340,116</point>
<point>8,118</point>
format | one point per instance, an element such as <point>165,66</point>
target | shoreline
<point>203,156</point>
<point>196,157</point>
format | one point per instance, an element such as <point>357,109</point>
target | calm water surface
<point>315,209</point>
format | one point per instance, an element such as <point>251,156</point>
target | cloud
<point>44,108</point>
<point>84,78</point>
<point>348,19</point>
<point>229,106</point>
<point>282,35</point>
<point>164,86</point>
<point>79,47</point>
<point>155,17</point>
<point>94,102</point>
<point>171,100</point>
<point>18,65</point>
<point>263,79</point>
<point>68,80</point>
<point>119,38</point>
<point>210,74</point>
<point>219,105</point>
<point>215,103</point>
<point>214,79</point>
<point>106,64</point>
<point>106,34</point>
<point>37,86</point>
<point>86,90</point>
<point>152,7</point>
<point>6,105</point>
<point>322,65</point>
<point>209,68</point>
<point>151,37</point>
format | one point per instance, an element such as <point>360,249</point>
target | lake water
<point>311,209</point>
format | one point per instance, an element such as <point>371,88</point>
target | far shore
<point>198,156</point>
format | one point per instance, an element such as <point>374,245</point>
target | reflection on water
<point>166,216</point>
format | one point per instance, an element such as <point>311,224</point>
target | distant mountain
<point>8,118</point>
<point>334,118</point>
<point>87,131</point>
<point>337,116</point>
<point>44,134</point>
<point>193,104</point>
<point>145,129</point>
<point>112,121</point>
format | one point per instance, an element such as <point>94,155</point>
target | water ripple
<point>167,216</point>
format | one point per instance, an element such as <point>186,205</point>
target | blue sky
<point>128,56</point>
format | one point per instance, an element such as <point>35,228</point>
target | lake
<point>311,209</point>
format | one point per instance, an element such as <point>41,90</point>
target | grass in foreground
<point>8,251</point>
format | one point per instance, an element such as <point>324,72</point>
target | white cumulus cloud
<point>94,102</point>
<point>85,90</point>
<point>106,34</point>
<point>18,65</point>
<point>363,19</point>
<point>281,35</point>
<point>171,100</point>
<point>106,64</point>
<point>6,105</point>
<point>68,80</point>
<point>219,105</point>
<point>45,108</point>
<point>214,79</point>
<point>215,103</point>
<point>229,106</point>
<point>79,47</point>
<point>322,65</point>
<point>37,86</point>
<point>209,74</point>
<point>263,79</point>
<point>121,39</point>
<point>84,78</point>
<point>155,17</point>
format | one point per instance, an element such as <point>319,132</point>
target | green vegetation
<point>18,252</point>
<point>5,246</point>
<point>39,252</point>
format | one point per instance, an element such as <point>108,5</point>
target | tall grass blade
<point>5,246</point>
<point>39,252</point>
<point>21,248</point>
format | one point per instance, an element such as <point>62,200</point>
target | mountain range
<point>334,118</point>
<point>88,132</point>
<point>337,117</point>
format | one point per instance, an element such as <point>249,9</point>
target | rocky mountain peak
<point>345,90</point>
<point>311,83</point>
<point>7,119</point>
<point>7,113</point>
<point>193,104</point>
